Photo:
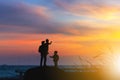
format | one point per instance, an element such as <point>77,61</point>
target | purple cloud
<point>18,17</point>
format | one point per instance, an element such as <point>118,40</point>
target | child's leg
<point>55,63</point>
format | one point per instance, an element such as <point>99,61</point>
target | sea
<point>12,71</point>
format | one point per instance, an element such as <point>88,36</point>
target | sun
<point>116,65</point>
<point>113,69</point>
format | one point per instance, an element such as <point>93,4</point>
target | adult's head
<point>47,40</point>
<point>43,42</point>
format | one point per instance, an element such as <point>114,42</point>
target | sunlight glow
<point>116,65</point>
<point>113,69</point>
<point>108,17</point>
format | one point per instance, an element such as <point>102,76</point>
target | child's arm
<point>51,56</point>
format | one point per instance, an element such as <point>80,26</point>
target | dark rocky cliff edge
<point>52,73</point>
<point>44,73</point>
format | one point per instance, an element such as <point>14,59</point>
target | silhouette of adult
<point>47,43</point>
<point>46,49</point>
<point>42,51</point>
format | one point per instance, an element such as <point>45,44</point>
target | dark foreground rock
<point>44,73</point>
<point>52,73</point>
<point>9,79</point>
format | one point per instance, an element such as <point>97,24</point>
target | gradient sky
<point>76,27</point>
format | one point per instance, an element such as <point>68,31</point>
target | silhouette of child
<point>55,58</point>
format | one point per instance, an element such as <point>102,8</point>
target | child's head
<point>55,52</point>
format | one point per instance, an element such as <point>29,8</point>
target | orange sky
<point>65,44</point>
<point>78,27</point>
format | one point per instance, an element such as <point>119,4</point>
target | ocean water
<point>10,71</point>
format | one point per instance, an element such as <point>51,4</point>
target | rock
<point>44,73</point>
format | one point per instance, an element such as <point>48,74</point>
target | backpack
<point>40,49</point>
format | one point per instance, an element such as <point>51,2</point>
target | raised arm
<point>50,42</point>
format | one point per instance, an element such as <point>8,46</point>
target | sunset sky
<point>76,27</point>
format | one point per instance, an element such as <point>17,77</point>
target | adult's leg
<point>45,59</point>
<point>41,60</point>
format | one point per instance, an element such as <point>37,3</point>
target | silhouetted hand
<point>50,42</point>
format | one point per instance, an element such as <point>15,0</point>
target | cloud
<point>21,14</point>
<point>93,9</point>
<point>20,17</point>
